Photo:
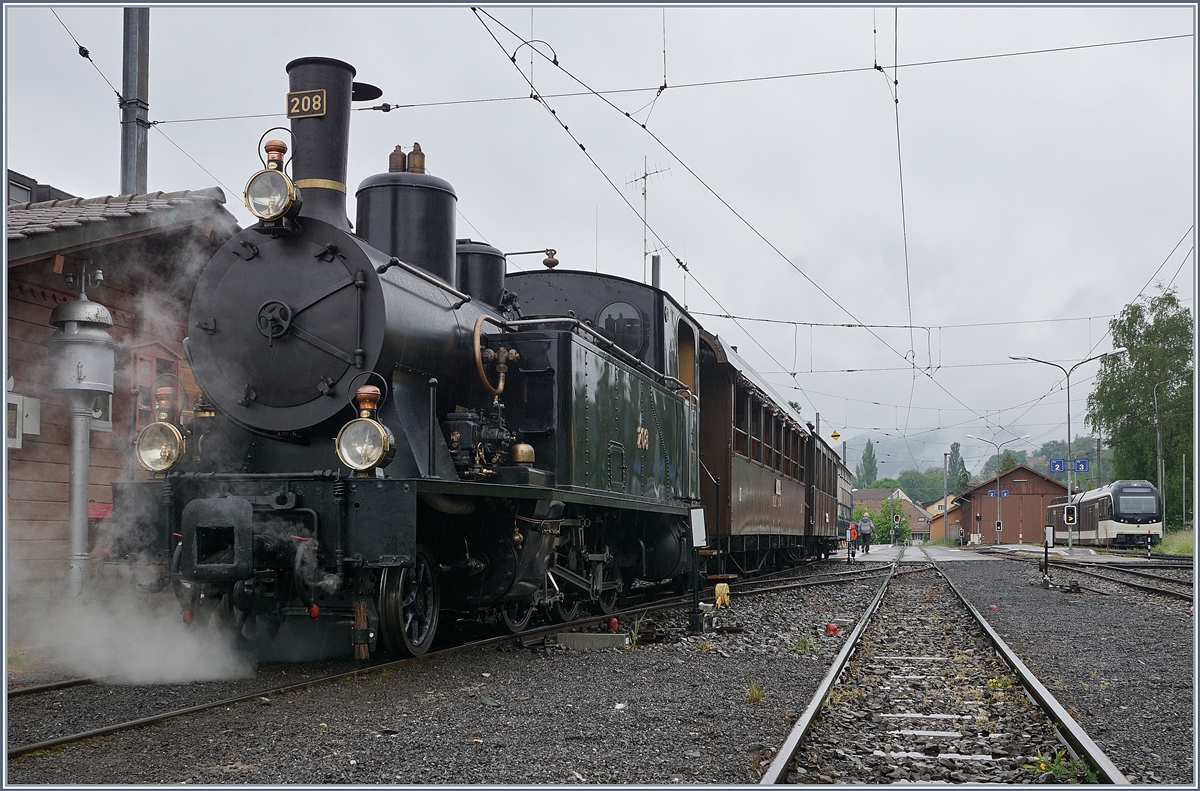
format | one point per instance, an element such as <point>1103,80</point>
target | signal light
<point>1069,516</point>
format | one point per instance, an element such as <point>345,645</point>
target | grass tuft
<point>1179,542</point>
<point>755,693</point>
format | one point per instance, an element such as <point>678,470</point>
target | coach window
<point>741,427</point>
<point>755,429</point>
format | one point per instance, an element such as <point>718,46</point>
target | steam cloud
<point>121,632</point>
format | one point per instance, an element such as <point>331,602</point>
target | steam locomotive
<point>391,429</point>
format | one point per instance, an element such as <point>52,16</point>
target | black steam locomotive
<point>390,429</point>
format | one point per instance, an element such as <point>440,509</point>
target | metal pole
<point>945,508</point>
<point>81,434</point>
<point>998,460</point>
<point>135,106</point>
<point>1158,433</point>
<point>1182,494</point>
<point>1071,463</point>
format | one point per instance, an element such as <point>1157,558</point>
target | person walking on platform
<point>865,529</point>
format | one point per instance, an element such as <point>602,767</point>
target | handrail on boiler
<point>428,278</point>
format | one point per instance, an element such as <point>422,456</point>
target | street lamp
<point>1068,373</point>
<point>998,447</point>
<point>1158,431</point>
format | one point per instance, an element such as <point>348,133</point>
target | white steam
<point>125,634</point>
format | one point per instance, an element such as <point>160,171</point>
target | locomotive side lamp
<point>364,443</point>
<point>159,447</point>
<point>270,194</point>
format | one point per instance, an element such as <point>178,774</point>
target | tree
<point>882,518</point>
<point>922,486</point>
<point>997,461</point>
<point>957,477</point>
<point>1100,465</point>
<point>1157,331</point>
<point>865,473</point>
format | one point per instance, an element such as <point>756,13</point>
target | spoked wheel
<point>409,599</point>
<point>568,610</point>
<point>515,616</point>
<point>607,603</point>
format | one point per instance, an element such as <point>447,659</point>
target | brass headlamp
<point>270,194</point>
<point>159,447</point>
<point>364,443</point>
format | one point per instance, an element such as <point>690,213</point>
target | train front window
<point>1137,504</point>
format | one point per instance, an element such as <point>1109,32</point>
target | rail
<point>779,766</point>
<point>523,637</point>
<point>1068,729</point>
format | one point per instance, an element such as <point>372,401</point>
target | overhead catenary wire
<point>902,326</point>
<point>554,114</point>
<point>86,54</point>
<point>723,202</point>
<point>707,83</point>
<point>1150,280</point>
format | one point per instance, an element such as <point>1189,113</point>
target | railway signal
<point>1069,515</point>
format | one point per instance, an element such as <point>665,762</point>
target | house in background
<point>1022,498</point>
<point>151,249</point>
<point>940,523</point>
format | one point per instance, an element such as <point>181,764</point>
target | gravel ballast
<point>1121,664</point>
<point>673,711</point>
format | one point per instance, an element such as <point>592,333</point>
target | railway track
<point>1178,587</point>
<point>924,690</point>
<point>267,694</point>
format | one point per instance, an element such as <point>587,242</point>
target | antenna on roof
<point>645,178</point>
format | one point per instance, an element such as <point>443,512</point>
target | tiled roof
<point>26,220</point>
<point>75,226</point>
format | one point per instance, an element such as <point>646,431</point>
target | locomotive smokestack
<point>321,128</point>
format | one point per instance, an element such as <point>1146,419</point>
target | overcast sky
<point>1036,188</point>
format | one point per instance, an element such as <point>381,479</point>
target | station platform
<point>887,553</point>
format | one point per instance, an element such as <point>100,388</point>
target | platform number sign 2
<point>1058,465</point>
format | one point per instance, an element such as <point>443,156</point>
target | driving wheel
<point>409,599</point>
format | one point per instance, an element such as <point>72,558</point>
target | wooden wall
<point>149,318</point>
